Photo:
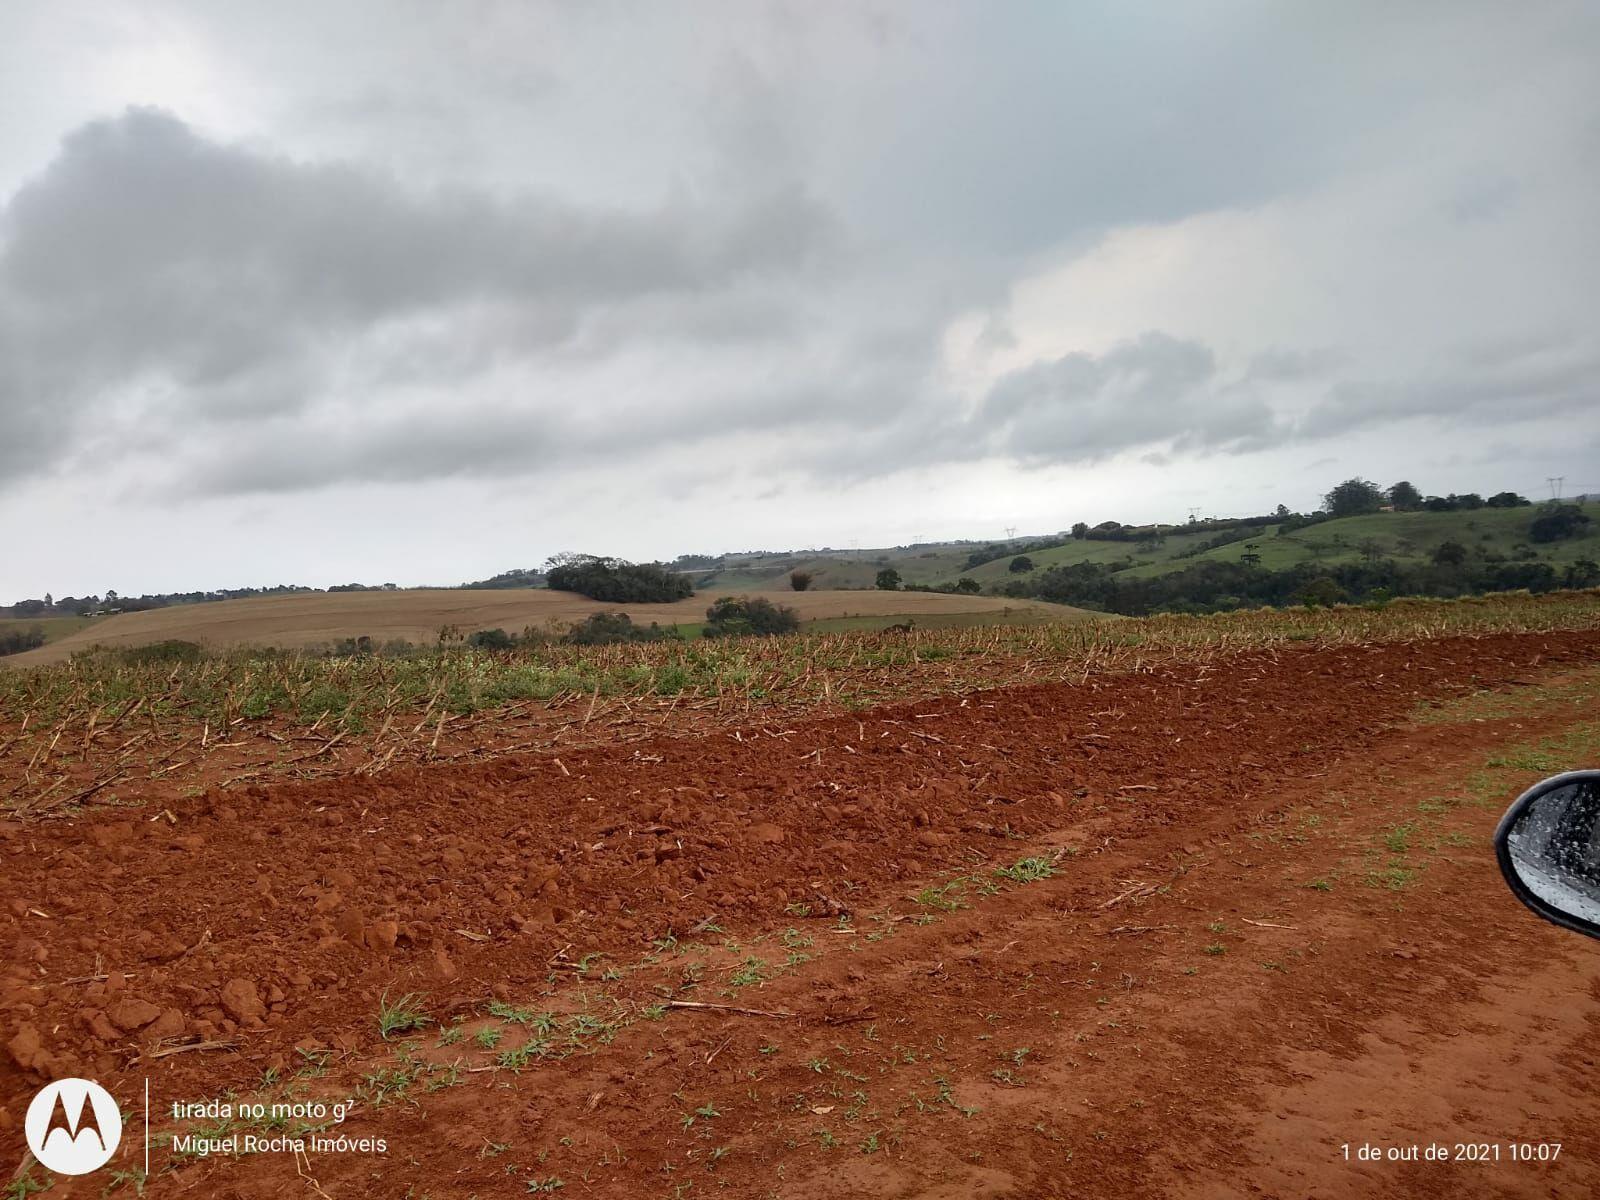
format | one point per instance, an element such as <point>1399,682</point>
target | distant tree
<point>1321,592</point>
<point>800,580</point>
<point>1558,521</point>
<point>1449,554</point>
<point>111,595</point>
<point>1282,512</point>
<point>1080,530</point>
<point>1507,500</point>
<point>888,580</point>
<point>1252,554</point>
<point>1371,549</point>
<point>49,600</point>
<point>749,616</point>
<point>616,580</point>
<point>1584,573</point>
<point>1405,497</point>
<point>1021,564</point>
<point>1352,498</point>
<point>1467,500</point>
<point>968,586</point>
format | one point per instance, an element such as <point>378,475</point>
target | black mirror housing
<point>1548,846</point>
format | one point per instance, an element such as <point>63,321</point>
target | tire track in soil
<point>1215,746</point>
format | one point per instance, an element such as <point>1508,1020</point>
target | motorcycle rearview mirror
<point>1548,844</point>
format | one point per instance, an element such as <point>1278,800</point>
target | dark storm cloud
<point>217,280</point>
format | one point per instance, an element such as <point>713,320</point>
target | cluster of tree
<point>82,606</point>
<point>615,580</point>
<point>15,641</point>
<point>517,577</point>
<point>749,616</point>
<point>697,562</point>
<point>965,586</point>
<point>1356,496</point>
<point>1219,586</point>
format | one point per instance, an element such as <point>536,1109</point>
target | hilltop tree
<point>1405,497</point>
<point>1353,497</point>
<point>889,580</point>
<point>1080,530</point>
<point>1507,500</point>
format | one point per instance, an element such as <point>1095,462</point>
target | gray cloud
<point>1481,384</point>
<point>223,281</point>
<point>388,250</point>
<point>1156,389</point>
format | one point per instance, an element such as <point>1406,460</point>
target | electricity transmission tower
<point>1555,482</point>
<point>1011,532</point>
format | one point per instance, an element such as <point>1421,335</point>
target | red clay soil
<point>1231,973</point>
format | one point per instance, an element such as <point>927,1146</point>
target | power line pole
<point>1011,532</point>
<point>1555,482</point>
<point>1194,512</point>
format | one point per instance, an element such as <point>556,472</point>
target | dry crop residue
<point>271,923</point>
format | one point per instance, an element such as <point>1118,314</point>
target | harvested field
<point>417,616</point>
<point>1183,913</point>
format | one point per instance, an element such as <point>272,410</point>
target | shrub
<point>968,586</point>
<point>736,616</point>
<point>617,581</point>
<point>1449,554</point>
<point>1558,521</point>
<point>889,580</point>
<point>491,639</point>
<point>1020,564</point>
<point>800,580</point>
<point>169,651</point>
<point>609,628</point>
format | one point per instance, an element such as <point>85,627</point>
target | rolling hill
<point>1405,536</point>
<point>321,618</point>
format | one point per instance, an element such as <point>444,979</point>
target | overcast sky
<point>416,292</point>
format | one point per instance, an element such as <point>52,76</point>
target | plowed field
<point>1193,930</point>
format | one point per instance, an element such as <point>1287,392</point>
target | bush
<point>169,651</point>
<point>1449,554</point>
<point>617,581</point>
<point>889,580</point>
<point>1558,521</point>
<point>608,628</point>
<point>968,586</point>
<point>1020,564</point>
<point>492,639</point>
<point>800,580</point>
<point>743,616</point>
